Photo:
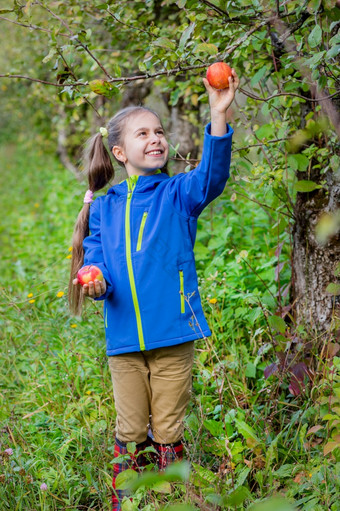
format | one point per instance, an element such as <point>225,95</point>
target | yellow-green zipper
<point>141,229</point>
<point>131,182</point>
<point>181,290</point>
<point>105,316</point>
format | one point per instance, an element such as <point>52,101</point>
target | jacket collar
<point>141,184</point>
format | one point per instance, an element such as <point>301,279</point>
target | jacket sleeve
<point>191,192</point>
<point>93,249</point>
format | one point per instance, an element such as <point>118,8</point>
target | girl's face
<point>144,147</point>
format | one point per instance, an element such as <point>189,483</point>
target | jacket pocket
<point>141,229</point>
<point>181,290</point>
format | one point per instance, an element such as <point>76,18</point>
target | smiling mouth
<point>155,153</point>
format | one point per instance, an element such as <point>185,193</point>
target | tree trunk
<point>314,263</point>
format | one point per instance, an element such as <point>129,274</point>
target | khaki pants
<point>152,390</point>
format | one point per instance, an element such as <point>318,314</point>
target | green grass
<point>247,437</point>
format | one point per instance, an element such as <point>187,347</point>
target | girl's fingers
<point>236,79</point>
<point>86,289</point>
<point>207,85</point>
<point>94,289</point>
<point>98,288</point>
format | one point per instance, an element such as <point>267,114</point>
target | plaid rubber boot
<point>168,453</point>
<point>134,463</point>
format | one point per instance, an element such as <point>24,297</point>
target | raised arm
<point>190,193</point>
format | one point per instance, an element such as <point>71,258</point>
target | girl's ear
<point>118,153</point>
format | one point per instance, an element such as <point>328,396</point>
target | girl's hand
<point>220,100</point>
<point>92,289</point>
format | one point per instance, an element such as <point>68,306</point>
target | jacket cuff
<point>228,134</point>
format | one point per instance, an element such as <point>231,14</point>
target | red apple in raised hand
<point>218,75</point>
<point>88,274</point>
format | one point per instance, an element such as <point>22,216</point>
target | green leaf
<point>272,504</point>
<point>333,52</point>
<point>165,42</point>
<point>245,430</point>
<point>314,38</point>
<point>313,61</point>
<point>178,471</point>
<point>298,162</point>
<point>250,371</point>
<point>131,447</point>
<point>258,75</point>
<point>277,324</point>
<point>185,36</point>
<point>192,422</point>
<point>333,288</point>
<point>335,39</point>
<point>127,505</point>
<point>102,88</point>
<point>254,314</point>
<point>284,471</point>
<point>162,487</point>
<point>205,475</point>
<point>237,497</point>
<point>125,479</point>
<point>265,131</point>
<point>209,48</point>
<point>48,57</point>
<point>306,186</point>
<point>214,427</point>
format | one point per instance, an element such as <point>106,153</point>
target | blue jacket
<point>142,234</point>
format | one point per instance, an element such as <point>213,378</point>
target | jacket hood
<point>141,184</point>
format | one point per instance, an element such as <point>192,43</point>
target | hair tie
<point>103,132</point>
<point>88,197</point>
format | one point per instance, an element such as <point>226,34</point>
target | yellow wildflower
<point>31,301</point>
<point>29,295</point>
<point>70,249</point>
<point>74,326</point>
<point>213,300</point>
<point>37,205</point>
<point>88,392</point>
<point>69,256</point>
<point>60,294</point>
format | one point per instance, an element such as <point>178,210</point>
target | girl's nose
<point>154,138</point>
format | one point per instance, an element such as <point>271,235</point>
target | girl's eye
<point>142,133</point>
<point>160,132</point>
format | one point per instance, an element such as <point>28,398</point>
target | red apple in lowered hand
<point>88,274</point>
<point>218,75</point>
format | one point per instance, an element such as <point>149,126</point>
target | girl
<point>141,236</point>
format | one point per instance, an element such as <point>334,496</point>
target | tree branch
<point>34,27</point>
<point>84,46</point>
<point>258,98</point>
<point>178,70</point>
